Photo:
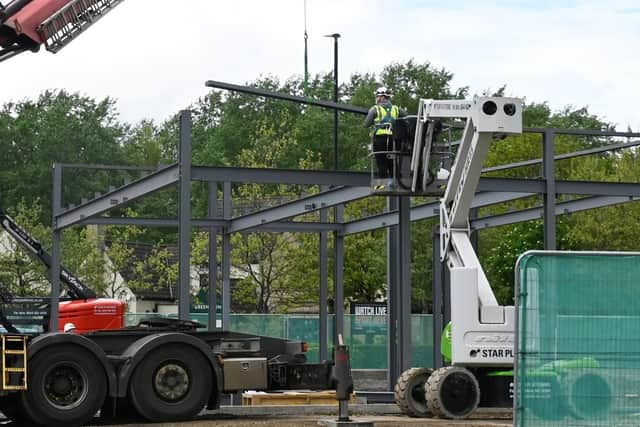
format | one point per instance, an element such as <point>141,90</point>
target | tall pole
<point>335,36</point>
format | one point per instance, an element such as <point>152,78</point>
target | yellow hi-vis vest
<point>385,116</point>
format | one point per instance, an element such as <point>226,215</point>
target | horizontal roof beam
<point>294,208</point>
<point>279,176</point>
<point>563,208</point>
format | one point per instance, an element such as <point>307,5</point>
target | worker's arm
<point>371,116</point>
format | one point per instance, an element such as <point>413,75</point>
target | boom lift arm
<point>27,24</point>
<point>478,321</point>
<point>76,288</point>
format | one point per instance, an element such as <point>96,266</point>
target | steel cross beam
<point>280,176</point>
<point>427,210</point>
<point>563,208</point>
<point>298,207</point>
<point>124,194</point>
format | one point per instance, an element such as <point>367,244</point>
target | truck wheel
<point>11,407</point>
<point>409,392</point>
<point>452,392</point>
<point>173,382</point>
<point>588,394</point>
<point>66,386</point>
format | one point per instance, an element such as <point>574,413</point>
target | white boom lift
<point>482,331</point>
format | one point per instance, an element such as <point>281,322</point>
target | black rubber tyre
<point>171,383</point>
<point>66,386</point>
<point>589,394</point>
<point>452,392</point>
<point>11,407</point>
<point>409,392</point>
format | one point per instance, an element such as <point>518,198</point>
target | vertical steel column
<point>184,216</point>
<point>548,141</point>
<point>324,291</point>
<point>438,298</point>
<point>54,271</point>
<point>338,276</point>
<point>404,255</point>
<point>213,258</point>
<point>393,364</point>
<point>226,258</point>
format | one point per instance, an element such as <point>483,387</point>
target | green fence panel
<point>578,350</point>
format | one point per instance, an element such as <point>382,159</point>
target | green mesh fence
<point>578,346</point>
<point>366,336</point>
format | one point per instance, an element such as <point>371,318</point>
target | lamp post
<point>335,37</point>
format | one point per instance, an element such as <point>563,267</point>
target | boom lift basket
<point>72,20</point>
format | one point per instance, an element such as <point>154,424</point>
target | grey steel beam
<point>298,207</point>
<point>437,296</point>
<point>596,150</point>
<point>549,173</point>
<point>280,176</point>
<point>538,185</point>
<point>124,194</point>
<point>394,368</point>
<point>184,217</point>
<point>404,255</point>
<point>588,188</point>
<point>105,167</point>
<point>226,258</point>
<point>286,97</point>
<point>212,209</point>
<point>287,226</point>
<point>323,262</point>
<point>562,208</point>
<point>338,279</point>
<point>54,270</point>
<point>428,210</point>
<point>583,132</point>
<point>153,222</point>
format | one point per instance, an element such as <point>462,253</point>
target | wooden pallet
<point>293,398</point>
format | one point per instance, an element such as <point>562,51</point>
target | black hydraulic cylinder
<point>343,380</point>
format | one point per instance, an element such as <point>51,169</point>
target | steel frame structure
<point>338,188</point>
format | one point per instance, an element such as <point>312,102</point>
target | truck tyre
<point>452,392</point>
<point>66,386</point>
<point>409,392</point>
<point>11,407</point>
<point>171,383</point>
<point>589,394</point>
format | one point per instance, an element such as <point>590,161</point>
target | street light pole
<point>335,37</point>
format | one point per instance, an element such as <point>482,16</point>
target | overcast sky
<point>153,56</point>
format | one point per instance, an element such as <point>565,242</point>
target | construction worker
<point>380,119</point>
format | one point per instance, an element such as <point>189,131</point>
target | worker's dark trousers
<point>384,161</point>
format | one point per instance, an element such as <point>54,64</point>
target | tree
<point>57,127</point>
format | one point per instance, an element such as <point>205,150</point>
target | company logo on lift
<point>489,353</point>
<point>445,106</point>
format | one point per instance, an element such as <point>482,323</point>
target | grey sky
<point>154,56</point>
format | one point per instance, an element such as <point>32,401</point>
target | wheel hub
<point>171,382</point>
<point>65,386</point>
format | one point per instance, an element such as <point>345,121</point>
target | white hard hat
<point>69,327</point>
<point>383,91</point>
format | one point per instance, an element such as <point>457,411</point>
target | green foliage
<point>57,127</point>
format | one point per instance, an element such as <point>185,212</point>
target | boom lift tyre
<point>66,382</point>
<point>409,392</point>
<point>452,392</point>
<point>171,383</point>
